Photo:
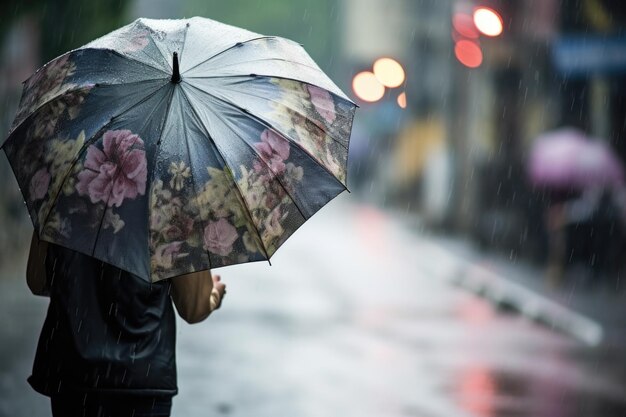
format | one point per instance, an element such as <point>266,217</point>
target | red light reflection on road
<point>476,311</point>
<point>477,391</point>
<point>372,228</point>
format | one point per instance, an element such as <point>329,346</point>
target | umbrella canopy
<point>172,146</point>
<point>566,158</point>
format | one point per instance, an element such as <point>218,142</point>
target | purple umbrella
<point>566,158</point>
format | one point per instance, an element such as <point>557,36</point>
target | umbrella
<point>567,158</point>
<point>172,146</point>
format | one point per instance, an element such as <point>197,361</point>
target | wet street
<point>357,316</point>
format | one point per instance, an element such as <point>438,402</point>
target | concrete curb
<point>506,294</point>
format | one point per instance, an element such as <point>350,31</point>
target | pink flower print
<point>39,184</point>
<point>115,173</point>
<point>219,237</point>
<point>165,255</point>
<point>323,102</point>
<point>179,228</point>
<point>274,149</point>
<point>274,193</point>
<point>136,42</point>
<point>47,81</point>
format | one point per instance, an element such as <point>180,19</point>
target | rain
<point>474,268</point>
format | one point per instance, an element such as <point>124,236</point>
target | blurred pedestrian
<point>600,233</point>
<point>587,229</point>
<point>107,347</point>
<point>555,220</point>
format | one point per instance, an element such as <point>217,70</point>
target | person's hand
<point>218,292</point>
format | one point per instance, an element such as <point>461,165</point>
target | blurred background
<point>474,269</point>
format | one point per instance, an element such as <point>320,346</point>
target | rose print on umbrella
<point>274,150</point>
<point>115,173</point>
<point>219,237</point>
<point>39,184</point>
<point>314,119</point>
<point>135,43</point>
<point>166,255</point>
<point>323,103</point>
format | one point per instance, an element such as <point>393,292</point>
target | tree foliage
<point>64,24</point>
<point>313,23</point>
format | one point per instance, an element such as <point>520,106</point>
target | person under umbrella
<point>147,158</point>
<point>122,335</point>
<point>584,179</point>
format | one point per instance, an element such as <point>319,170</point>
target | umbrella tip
<point>176,73</point>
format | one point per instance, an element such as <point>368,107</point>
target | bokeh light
<point>488,21</point>
<point>367,87</point>
<point>468,53</point>
<point>389,72</point>
<point>402,100</point>
<point>464,24</point>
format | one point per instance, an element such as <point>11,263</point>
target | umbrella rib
<point>150,30</point>
<point>315,122</point>
<point>252,76</point>
<point>76,89</point>
<point>85,146</point>
<point>104,212</point>
<point>241,198</point>
<point>269,126</point>
<point>266,59</point>
<point>193,183</point>
<point>130,58</point>
<point>133,82</point>
<point>156,155</point>
<point>182,48</point>
<point>228,49</point>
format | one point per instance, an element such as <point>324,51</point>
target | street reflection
<point>477,391</point>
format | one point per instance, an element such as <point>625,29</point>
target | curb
<point>508,295</point>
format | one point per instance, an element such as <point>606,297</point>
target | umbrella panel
<point>240,176</point>
<point>314,119</point>
<point>104,195</point>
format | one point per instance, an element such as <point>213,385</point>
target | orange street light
<point>367,87</point>
<point>488,21</point>
<point>402,100</point>
<point>389,72</point>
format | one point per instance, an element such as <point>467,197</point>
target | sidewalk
<point>355,317</point>
<point>596,316</point>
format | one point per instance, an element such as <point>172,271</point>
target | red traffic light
<point>468,53</point>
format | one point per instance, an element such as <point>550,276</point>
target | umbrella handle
<point>176,74</point>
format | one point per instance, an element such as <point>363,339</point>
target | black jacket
<point>107,330</point>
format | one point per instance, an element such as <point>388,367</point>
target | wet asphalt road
<point>355,317</point>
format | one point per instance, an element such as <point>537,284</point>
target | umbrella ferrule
<point>176,72</point>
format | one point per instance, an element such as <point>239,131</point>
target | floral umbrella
<point>172,146</point>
